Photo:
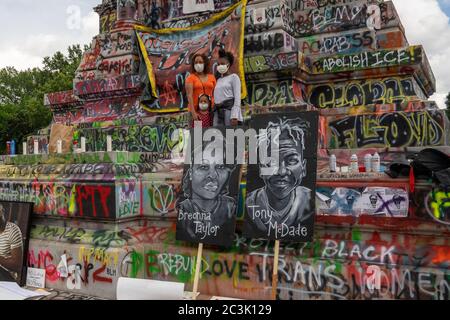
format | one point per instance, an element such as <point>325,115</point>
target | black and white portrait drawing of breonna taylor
<point>207,206</point>
<point>280,203</point>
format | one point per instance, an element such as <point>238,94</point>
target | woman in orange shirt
<point>198,83</point>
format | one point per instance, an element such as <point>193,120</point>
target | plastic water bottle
<point>376,163</point>
<point>333,163</point>
<point>368,162</point>
<point>354,166</point>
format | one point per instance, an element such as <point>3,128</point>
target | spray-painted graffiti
<point>276,93</point>
<point>175,7</point>
<point>119,86</point>
<point>64,198</point>
<point>107,21</point>
<point>320,280</point>
<point>317,4</point>
<point>269,62</point>
<point>117,44</point>
<point>111,55</point>
<point>139,138</point>
<point>399,129</point>
<point>103,110</point>
<point>412,266</point>
<point>330,18</point>
<point>89,171</point>
<point>71,271</point>
<point>338,43</point>
<point>364,92</point>
<point>139,198</point>
<point>162,198</point>
<point>71,158</point>
<point>118,66</point>
<point>437,204</point>
<point>298,278</point>
<point>368,59</point>
<point>263,17</point>
<point>170,57</point>
<point>70,234</point>
<point>185,22</point>
<point>271,42</point>
<point>129,199</point>
<point>61,98</point>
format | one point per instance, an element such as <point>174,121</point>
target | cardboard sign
<point>61,133</point>
<point>36,278</point>
<point>380,201</point>
<point>281,186</point>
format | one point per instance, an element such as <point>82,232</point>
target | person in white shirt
<point>227,94</point>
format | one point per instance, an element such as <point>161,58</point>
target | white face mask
<point>203,106</point>
<point>223,68</point>
<point>199,67</point>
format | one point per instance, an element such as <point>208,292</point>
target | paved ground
<point>60,295</point>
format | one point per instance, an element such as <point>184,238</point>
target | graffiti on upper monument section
<point>399,129</point>
<point>360,93</point>
<point>167,56</point>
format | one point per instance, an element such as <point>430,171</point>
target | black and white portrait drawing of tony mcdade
<point>280,202</point>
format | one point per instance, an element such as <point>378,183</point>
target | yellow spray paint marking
<point>72,205</point>
<point>441,200</point>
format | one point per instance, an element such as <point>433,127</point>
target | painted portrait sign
<point>280,202</point>
<point>15,219</point>
<point>208,204</point>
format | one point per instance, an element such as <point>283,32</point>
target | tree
<point>22,109</point>
<point>447,104</point>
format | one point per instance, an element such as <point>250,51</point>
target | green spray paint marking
<point>356,235</point>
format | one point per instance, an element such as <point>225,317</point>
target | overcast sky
<point>31,30</point>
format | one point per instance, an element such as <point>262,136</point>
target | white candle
<point>83,144</point>
<point>24,147</point>
<point>108,143</point>
<point>36,146</point>
<point>59,146</point>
